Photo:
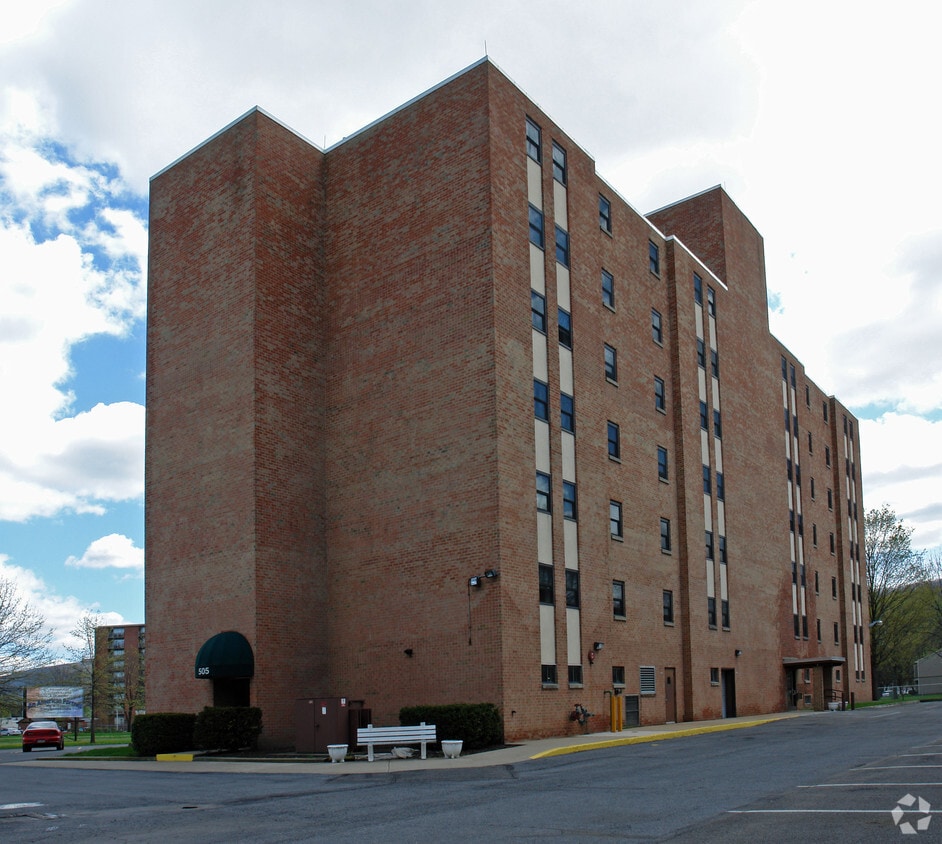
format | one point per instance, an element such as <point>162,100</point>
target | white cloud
<point>112,551</point>
<point>60,612</point>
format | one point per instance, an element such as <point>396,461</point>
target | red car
<point>42,734</point>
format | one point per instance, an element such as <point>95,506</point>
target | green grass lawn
<point>84,739</point>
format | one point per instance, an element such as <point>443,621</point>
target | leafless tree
<point>24,643</point>
<point>94,672</point>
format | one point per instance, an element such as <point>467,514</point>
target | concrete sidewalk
<point>511,755</point>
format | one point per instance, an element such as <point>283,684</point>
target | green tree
<point>24,644</point>
<point>900,608</point>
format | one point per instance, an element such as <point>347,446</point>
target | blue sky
<point>816,118</point>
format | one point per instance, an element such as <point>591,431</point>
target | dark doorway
<point>231,691</point>
<point>729,692</point>
<point>670,692</point>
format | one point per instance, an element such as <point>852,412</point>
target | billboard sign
<point>43,702</point>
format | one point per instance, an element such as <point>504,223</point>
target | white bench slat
<point>420,734</point>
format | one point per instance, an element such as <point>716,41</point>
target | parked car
<point>42,734</point>
<point>9,731</point>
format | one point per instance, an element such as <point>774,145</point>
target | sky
<point>819,119</point>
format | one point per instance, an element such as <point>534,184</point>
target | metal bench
<point>371,736</point>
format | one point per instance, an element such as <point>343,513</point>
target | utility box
<point>319,721</point>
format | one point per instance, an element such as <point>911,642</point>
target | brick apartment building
<point>119,675</point>
<point>435,416</point>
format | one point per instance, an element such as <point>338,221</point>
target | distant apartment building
<point>117,682</point>
<point>435,416</point>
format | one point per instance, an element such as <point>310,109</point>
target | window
<point>646,679</point>
<point>721,488</point>
<point>819,629</point>
<point>657,333</point>
<point>701,353</point>
<point>605,214</point>
<point>837,634</point>
<point>536,226</point>
<point>575,675</point>
<point>834,587</point>
<point>697,289</point>
<point>723,549</point>
<point>654,258</point>
<point>660,402</point>
<point>814,534</point>
<point>711,301</point>
<point>547,591</point>
<point>810,444</point>
<point>559,164</point>
<point>614,441</point>
<point>708,543</point>
<point>543,492</point>
<point>704,416</point>
<point>668,601</point>
<point>572,588</point>
<point>714,676</point>
<point>812,489</point>
<point>534,141</point>
<point>611,363</point>
<point>711,612</point>
<point>565,328</point>
<point>824,406</point>
<point>562,246</point>
<point>661,463</point>
<point>715,363</point>
<point>618,676</point>
<point>569,500</point>
<point>618,598</point>
<point>817,588</point>
<point>567,413</point>
<point>717,425</point>
<point>538,310</point>
<point>830,499</point>
<point>548,675</point>
<point>827,455</point>
<point>666,536</point>
<point>831,539</point>
<point>808,398</point>
<point>540,400</point>
<point>707,486</point>
<point>608,289</point>
<point>724,614</point>
<point>614,519</point>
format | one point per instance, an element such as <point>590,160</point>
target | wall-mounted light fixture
<point>877,623</point>
<point>408,651</point>
<point>475,581</point>
<point>490,574</point>
<point>738,652</point>
<point>597,646</point>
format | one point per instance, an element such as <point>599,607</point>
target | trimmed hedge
<point>478,725</point>
<point>162,732</point>
<point>228,727</point>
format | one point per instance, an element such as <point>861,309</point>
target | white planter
<point>451,748</point>
<point>338,752</point>
<point>834,705</point>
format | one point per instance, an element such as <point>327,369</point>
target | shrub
<point>476,724</point>
<point>228,727</point>
<point>162,732</point>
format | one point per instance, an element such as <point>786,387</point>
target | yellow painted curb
<point>174,757</point>
<point>693,731</point>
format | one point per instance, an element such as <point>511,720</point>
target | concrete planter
<point>451,748</point>
<point>338,752</point>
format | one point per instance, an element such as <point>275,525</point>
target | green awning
<point>226,654</point>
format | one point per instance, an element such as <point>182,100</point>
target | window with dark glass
<point>572,588</point>
<point>704,416</point>
<point>575,675</point>
<point>618,675</point>
<point>707,486</point>
<point>657,333</point>
<point>542,492</point>
<point>611,363</point>
<point>559,164</point>
<point>614,441</point>
<point>717,425</point>
<point>547,591</point>
<point>708,543</point>
<point>540,400</point>
<point>827,455</point>
<point>660,401</point>
<point>715,363</point>
<point>724,610</point>
<point>614,519</point>
<point>548,675</point>
<point>720,487</point>
<point>534,141</point>
<point>697,289</point>
<point>701,353</point>
<point>567,413</point>
<point>654,258</point>
<point>538,310</point>
<point>668,603</point>
<point>605,214</point>
<point>711,301</point>
<point>565,328</point>
<point>569,500</point>
<point>662,463</point>
<point>711,611</point>
<point>536,226</point>
<point>562,246</point>
<point>722,541</point>
<point>618,598</point>
<point>837,634</point>
<point>665,535</point>
<point>608,289</point>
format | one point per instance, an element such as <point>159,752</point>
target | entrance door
<point>729,692</point>
<point>670,692</point>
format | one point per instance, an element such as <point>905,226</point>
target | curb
<point>693,731</point>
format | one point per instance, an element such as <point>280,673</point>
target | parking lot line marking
<point>7,806</point>
<point>827,812</point>
<point>869,784</point>
<point>894,767</point>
